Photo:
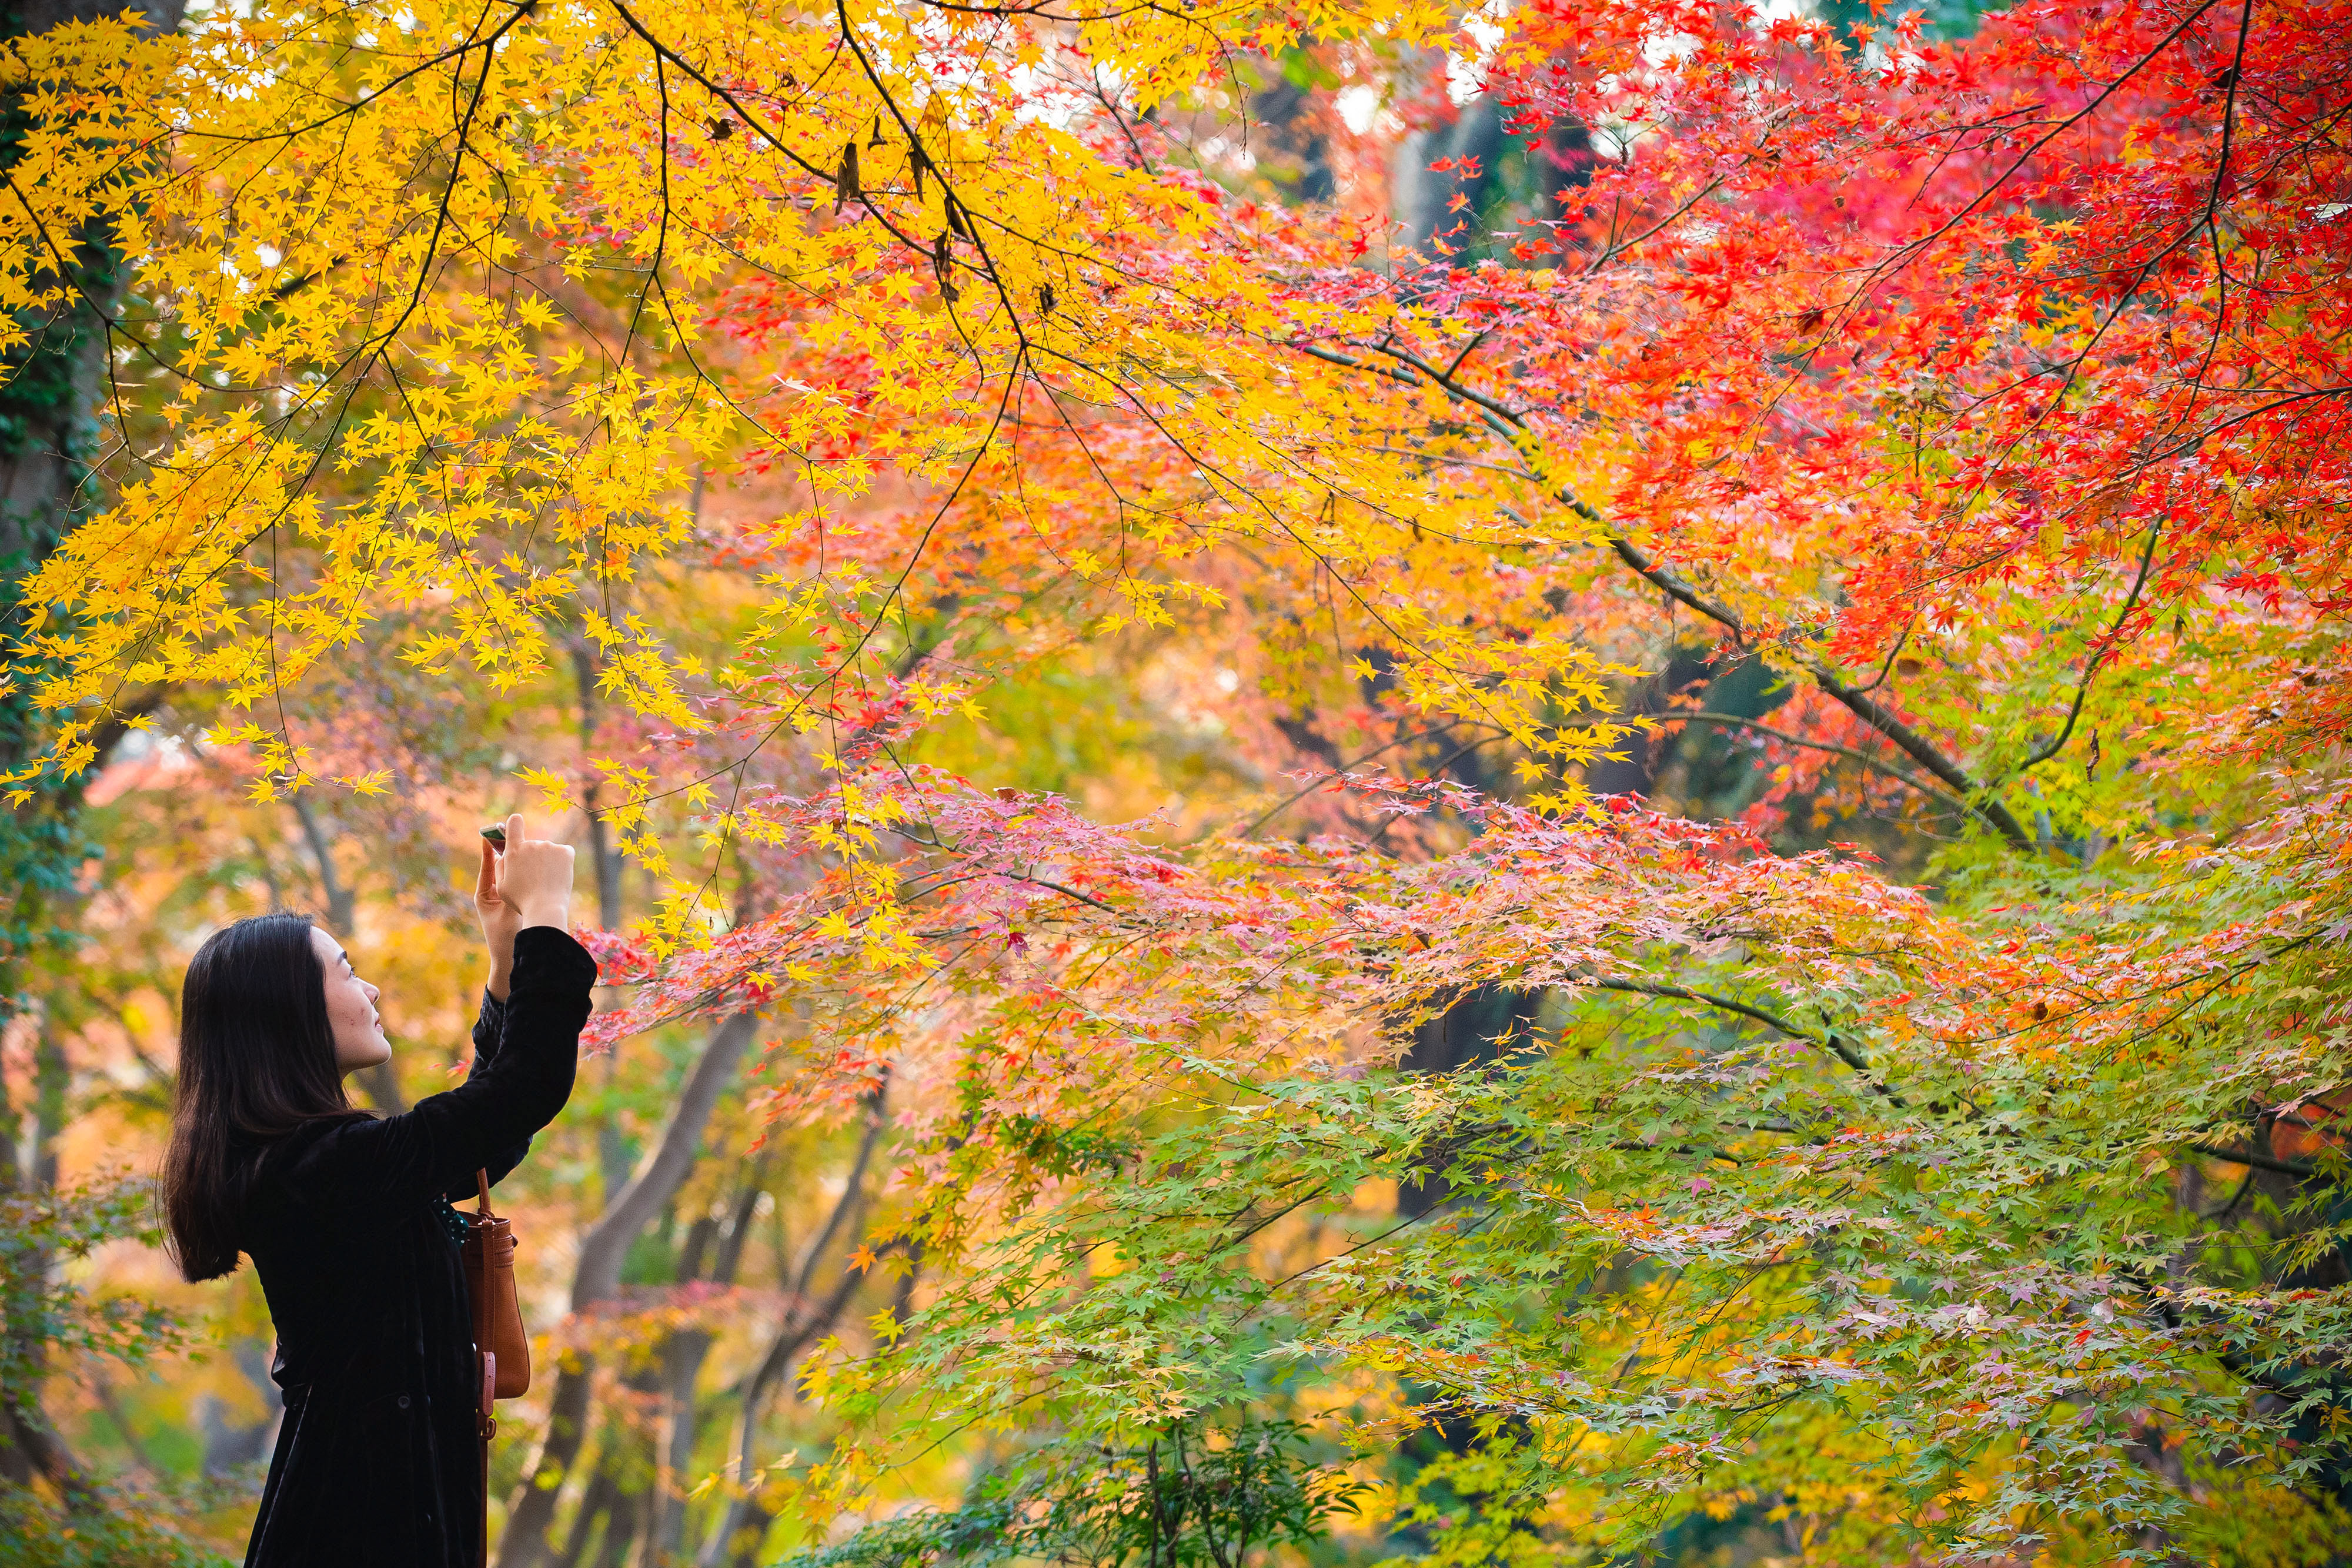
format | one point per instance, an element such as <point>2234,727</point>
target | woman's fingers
<point>486,887</point>
<point>535,877</point>
<point>502,862</point>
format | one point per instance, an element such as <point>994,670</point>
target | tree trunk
<point>606,1246</point>
<point>612,1149</point>
<point>601,849</point>
<point>50,388</point>
<point>381,1082</point>
<point>603,1497</point>
<point>28,1444</point>
<point>682,1360</point>
<point>598,1276</point>
<point>744,1524</point>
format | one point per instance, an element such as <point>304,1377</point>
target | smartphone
<point>497,834</point>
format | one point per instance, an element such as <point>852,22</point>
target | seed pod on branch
<point>942,260</point>
<point>845,188</point>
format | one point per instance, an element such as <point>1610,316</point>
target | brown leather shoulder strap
<point>478,1282</point>
<point>478,1274</point>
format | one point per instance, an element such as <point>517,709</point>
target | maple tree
<point>1940,439</point>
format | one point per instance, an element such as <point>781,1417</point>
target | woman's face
<point>351,1007</point>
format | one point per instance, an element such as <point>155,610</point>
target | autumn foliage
<point>1765,940</point>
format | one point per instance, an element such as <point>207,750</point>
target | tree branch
<point>1675,586</point>
<point>2256,1161</point>
<point>1828,1039</point>
<point>1904,775</point>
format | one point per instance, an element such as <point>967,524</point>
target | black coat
<point>379,1460</point>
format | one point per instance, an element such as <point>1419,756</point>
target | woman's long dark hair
<point>256,1060</point>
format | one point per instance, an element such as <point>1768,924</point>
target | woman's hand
<point>527,882</point>
<point>501,920</point>
<point>535,877</point>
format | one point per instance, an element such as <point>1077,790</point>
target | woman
<point>346,1216</point>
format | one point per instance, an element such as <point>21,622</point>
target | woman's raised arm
<point>437,1146</point>
<point>515,1087</point>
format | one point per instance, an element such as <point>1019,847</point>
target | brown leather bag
<point>499,1334</point>
<point>501,1347</point>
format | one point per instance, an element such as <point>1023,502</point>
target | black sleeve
<point>436,1147</point>
<point>489,1030</point>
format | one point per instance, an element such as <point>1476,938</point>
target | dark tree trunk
<point>743,1524</point>
<point>598,1277</point>
<point>1291,150</point>
<point>50,388</point>
<point>1422,198</point>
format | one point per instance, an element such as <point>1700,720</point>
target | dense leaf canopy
<point>1780,951</point>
